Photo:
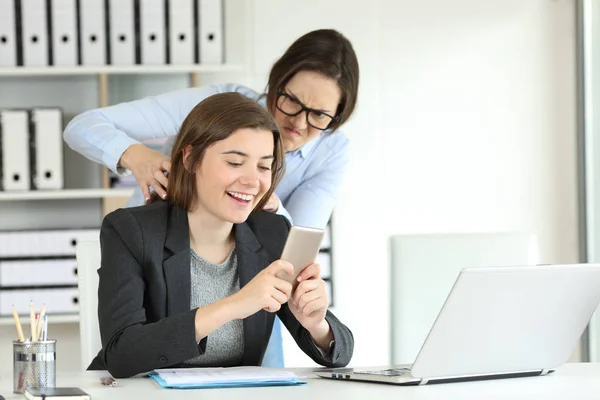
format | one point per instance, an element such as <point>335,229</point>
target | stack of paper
<point>190,378</point>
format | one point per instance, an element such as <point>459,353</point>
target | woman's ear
<point>186,153</point>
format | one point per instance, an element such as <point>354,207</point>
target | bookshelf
<point>87,196</point>
<point>55,318</point>
<point>118,70</point>
<point>111,199</point>
<point>66,194</point>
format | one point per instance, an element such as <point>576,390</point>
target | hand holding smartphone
<point>300,250</point>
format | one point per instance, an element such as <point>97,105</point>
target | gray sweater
<point>211,283</point>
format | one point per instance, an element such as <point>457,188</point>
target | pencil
<point>18,325</point>
<point>40,322</point>
<point>32,318</point>
<point>45,328</point>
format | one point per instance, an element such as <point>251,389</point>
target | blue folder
<point>236,384</point>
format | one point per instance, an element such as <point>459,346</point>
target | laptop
<point>499,322</point>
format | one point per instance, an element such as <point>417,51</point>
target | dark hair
<point>328,52</point>
<point>213,119</point>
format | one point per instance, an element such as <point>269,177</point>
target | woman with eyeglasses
<point>311,92</point>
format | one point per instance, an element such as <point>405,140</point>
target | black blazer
<point>144,292</point>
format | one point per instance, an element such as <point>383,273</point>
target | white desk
<point>572,381</point>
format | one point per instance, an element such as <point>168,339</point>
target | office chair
<point>88,262</point>
<point>424,268</point>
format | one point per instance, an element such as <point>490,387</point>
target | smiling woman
<point>192,280</point>
<point>228,130</point>
<point>311,92</point>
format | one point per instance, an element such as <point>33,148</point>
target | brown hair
<point>325,51</point>
<point>213,119</point>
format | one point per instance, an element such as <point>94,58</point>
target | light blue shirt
<point>313,173</point>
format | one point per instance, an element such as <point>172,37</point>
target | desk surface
<point>572,381</point>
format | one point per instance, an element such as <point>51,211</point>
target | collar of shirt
<point>304,151</point>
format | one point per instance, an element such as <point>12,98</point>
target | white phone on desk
<point>300,250</point>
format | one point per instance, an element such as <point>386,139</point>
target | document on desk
<point>196,378</point>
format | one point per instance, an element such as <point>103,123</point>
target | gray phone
<point>300,250</point>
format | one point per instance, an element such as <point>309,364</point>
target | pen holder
<point>34,365</point>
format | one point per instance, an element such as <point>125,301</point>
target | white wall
<point>466,122</point>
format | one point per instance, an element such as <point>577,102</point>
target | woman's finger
<point>305,287</point>
<point>272,305</point>
<point>279,296</point>
<point>159,189</point>
<point>161,178</point>
<point>313,271</point>
<point>269,206</point>
<point>316,305</point>
<point>283,287</point>
<point>279,267</point>
<point>308,297</point>
<point>166,165</point>
<point>145,191</point>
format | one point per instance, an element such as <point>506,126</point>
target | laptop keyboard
<point>386,372</point>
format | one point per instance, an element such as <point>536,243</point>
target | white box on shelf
<point>38,272</point>
<point>35,33</point>
<point>46,130</point>
<point>93,33</point>
<point>181,32</point>
<point>43,243</point>
<point>14,127</point>
<point>324,260</point>
<point>153,32</point>
<point>8,34</point>
<point>63,14</point>
<point>122,33</point>
<point>58,301</point>
<point>210,31</point>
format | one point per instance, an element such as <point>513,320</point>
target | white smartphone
<point>300,250</point>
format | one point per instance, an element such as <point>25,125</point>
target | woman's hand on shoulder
<point>309,301</point>
<point>266,291</point>
<point>149,167</point>
<point>273,204</point>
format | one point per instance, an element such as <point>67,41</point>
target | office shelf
<point>117,70</point>
<point>66,194</point>
<point>52,319</point>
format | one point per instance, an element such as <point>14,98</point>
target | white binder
<point>8,34</point>
<point>153,32</point>
<point>19,244</point>
<point>329,291</point>
<point>14,273</point>
<point>14,127</point>
<point>58,301</point>
<point>122,33</point>
<point>35,34</point>
<point>64,32</point>
<point>210,31</point>
<point>181,32</point>
<point>326,243</point>
<point>92,28</point>
<point>46,130</point>
<point>324,260</point>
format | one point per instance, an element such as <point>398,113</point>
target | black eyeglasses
<point>292,107</point>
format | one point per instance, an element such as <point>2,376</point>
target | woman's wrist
<point>322,335</point>
<point>129,153</point>
<point>211,317</point>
